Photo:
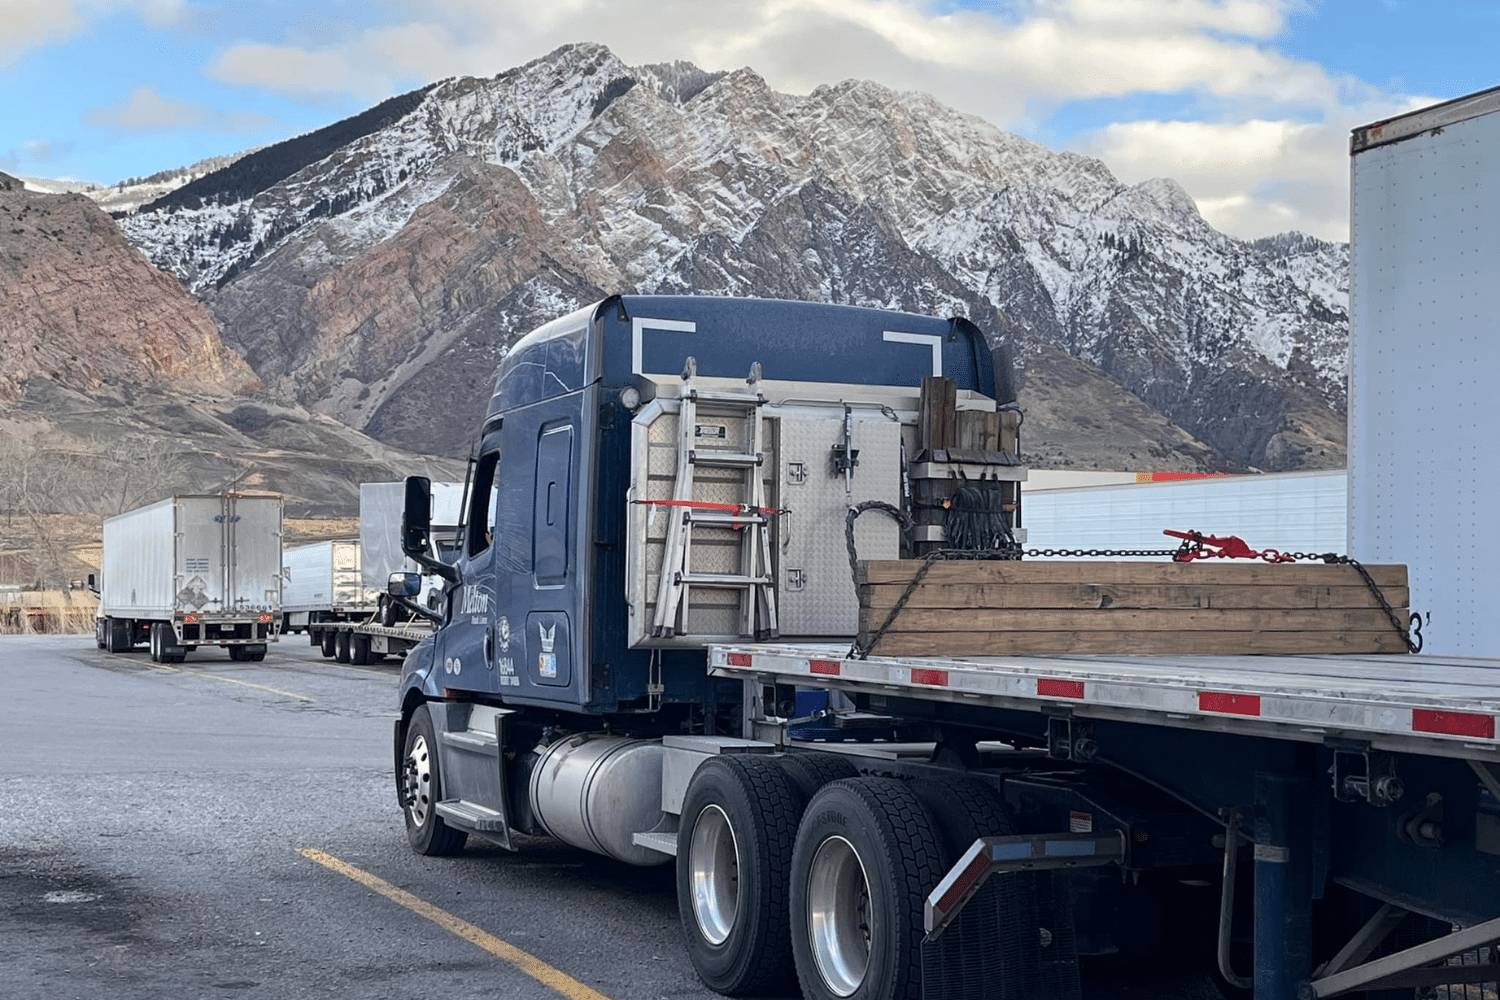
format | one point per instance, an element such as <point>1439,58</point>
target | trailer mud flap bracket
<point>989,855</point>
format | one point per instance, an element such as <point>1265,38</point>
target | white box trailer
<point>190,571</point>
<point>380,507</point>
<point>1424,238</point>
<point>321,581</point>
<point>1287,511</point>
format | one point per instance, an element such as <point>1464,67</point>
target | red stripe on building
<point>739,659</point>
<point>1228,704</point>
<point>1053,687</point>
<point>1425,720</point>
<point>829,667</point>
<point>936,678</point>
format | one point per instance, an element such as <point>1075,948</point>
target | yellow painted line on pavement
<point>506,952</point>
<point>230,680</point>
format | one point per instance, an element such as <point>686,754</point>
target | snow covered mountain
<point>377,269</point>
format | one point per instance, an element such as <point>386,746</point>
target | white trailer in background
<point>1288,511</point>
<point>387,629</point>
<point>192,571</point>
<point>322,582</point>
<point>1424,242</point>
<point>380,507</point>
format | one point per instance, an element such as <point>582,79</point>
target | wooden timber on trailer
<point>1015,608</point>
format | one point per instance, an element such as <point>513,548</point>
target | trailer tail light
<point>830,668</point>
<point>1228,704</point>
<point>264,618</point>
<point>190,619</point>
<point>1424,720</point>
<point>1052,687</point>
<point>739,659</point>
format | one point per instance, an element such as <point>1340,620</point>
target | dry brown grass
<point>47,612</point>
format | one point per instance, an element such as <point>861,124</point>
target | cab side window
<point>483,499</point>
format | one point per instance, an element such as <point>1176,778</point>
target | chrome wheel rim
<point>714,867</point>
<point>419,781</point>
<point>840,920</point>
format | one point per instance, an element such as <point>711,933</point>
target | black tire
<point>359,649</point>
<point>235,653</point>
<point>866,845</point>
<point>254,654</point>
<point>423,783</point>
<point>995,943</point>
<point>327,640</point>
<point>811,770</point>
<point>739,822</point>
<point>341,647</point>
<point>117,637</point>
<point>154,641</point>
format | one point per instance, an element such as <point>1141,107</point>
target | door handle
<point>489,646</point>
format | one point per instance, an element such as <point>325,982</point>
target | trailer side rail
<point>1443,706</point>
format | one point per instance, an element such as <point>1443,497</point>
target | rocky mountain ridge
<point>380,280</point>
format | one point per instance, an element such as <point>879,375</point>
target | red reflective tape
<point>1229,704</point>
<point>1058,688</point>
<point>739,659</point>
<point>936,678</point>
<point>829,667</point>
<point>967,878</point>
<point>1425,720</point>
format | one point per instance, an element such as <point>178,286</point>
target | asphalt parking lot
<point>221,829</point>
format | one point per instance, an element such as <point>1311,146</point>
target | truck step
<point>666,843</point>
<point>724,459</point>
<point>470,816</point>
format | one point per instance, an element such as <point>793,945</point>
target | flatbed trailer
<point>1407,744</point>
<point>365,642</point>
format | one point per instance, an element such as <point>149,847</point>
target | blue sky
<point>1246,102</point>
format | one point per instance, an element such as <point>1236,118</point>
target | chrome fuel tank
<point>595,792</point>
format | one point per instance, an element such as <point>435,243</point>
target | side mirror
<point>416,520</point>
<point>404,585</point>
<point>92,585</point>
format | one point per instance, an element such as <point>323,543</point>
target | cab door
<point>466,650</point>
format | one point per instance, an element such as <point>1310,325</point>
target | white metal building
<point>1289,511</point>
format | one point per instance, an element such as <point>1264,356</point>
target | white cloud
<point>1249,178</point>
<point>146,110</point>
<point>29,24</point>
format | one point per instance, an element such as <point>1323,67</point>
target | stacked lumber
<point>998,608</point>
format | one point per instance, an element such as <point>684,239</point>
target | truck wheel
<point>811,770</point>
<point>341,647</point>
<point>155,643</point>
<point>359,649</point>
<point>117,639</point>
<point>327,639</point>
<point>422,783</point>
<point>99,630</point>
<point>739,820</point>
<point>866,855</point>
<point>235,653</point>
<point>254,653</point>
<point>997,938</point>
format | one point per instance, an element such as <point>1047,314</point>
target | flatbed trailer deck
<point>1437,705</point>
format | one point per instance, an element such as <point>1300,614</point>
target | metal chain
<point>1413,628</point>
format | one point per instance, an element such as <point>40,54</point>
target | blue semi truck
<point>668,500</point>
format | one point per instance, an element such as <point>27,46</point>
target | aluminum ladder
<point>748,515</point>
